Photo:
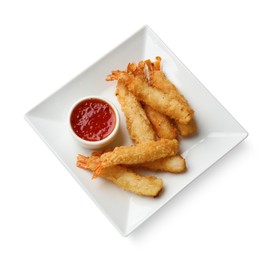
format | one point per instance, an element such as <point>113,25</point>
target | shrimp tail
<point>82,161</point>
<point>137,70</point>
<point>97,170</point>
<point>120,75</point>
<point>153,66</point>
<point>131,68</point>
<point>91,163</point>
<point>115,75</point>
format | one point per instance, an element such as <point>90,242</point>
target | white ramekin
<point>95,144</point>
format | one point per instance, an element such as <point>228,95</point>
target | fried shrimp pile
<point>155,113</point>
<point>157,99</point>
<point>159,80</point>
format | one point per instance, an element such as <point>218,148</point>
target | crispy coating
<point>157,99</point>
<point>161,123</point>
<point>173,164</point>
<point>187,129</point>
<point>124,177</point>
<point>140,153</point>
<point>160,101</point>
<point>138,125</point>
<point>159,80</point>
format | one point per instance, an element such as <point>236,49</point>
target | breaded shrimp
<point>124,177</point>
<point>153,97</point>
<point>160,101</point>
<point>187,129</point>
<point>137,154</point>
<point>161,123</point>
<point>159,80</point>
<point>173,164</point>
<point>138,125</point>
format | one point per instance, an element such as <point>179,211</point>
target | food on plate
<point>124,177</point>
<point>138,70</point>
<point>172,164</point>
<point>161,123</point>
<point>139,122</point>
<point>157,99</point>
<point>158,79</point>
<point>155,111</point>
<point>137,154</point>
<point>138,125</point>
<point>188,129</point>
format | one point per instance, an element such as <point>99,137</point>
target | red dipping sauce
<point>93,119</point>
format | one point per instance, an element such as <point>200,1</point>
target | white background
<point>227,213</point>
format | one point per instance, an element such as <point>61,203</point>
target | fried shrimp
<point>172,164</point>
<point>160,101</point>
<point>137,154</point>
<point>157,99</point>
<point>140,130</point>
<point>138,125</point>
<point>162,126</point>
<point>187,129</point>
<point>159,80</point>
<point>161,123</point>
<point>124,177</point>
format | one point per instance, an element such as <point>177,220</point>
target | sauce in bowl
<point>93,119</point>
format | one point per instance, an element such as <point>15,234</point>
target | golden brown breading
<point>159,80</point>
<point>157,99</point>
<point>138,125</point>
<point>161,123</point>
<point>140,153</point>
<point>173,164</point>
<point>187,129</point>
<point>160,101</point>
<point>124,177</point>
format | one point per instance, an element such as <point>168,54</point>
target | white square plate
<point>218,132</point>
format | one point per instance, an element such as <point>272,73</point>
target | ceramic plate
<point>218,132</point>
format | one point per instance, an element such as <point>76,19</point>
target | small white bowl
<point>95,144</point>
